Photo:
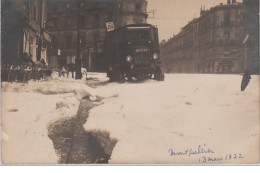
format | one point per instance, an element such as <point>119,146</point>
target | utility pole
<point>245,43</point>
<point>78,58</point>
<point>245,57</point>
<point>39,50</point>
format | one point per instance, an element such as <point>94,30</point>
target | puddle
<point>74,145</point>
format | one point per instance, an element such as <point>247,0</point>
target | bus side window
<point>153,34</point>
<point>156,34</point>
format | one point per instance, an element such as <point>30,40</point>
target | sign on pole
<point>110,26</point>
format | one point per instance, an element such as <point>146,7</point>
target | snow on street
<point>27,111</point>
<point>183,112</point>
<point>148,120</point>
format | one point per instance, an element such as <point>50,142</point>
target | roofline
<point>194,20</point>
<point>135,25</point>
<point>219,7</point>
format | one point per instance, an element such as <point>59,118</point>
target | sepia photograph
<point>130,82</point>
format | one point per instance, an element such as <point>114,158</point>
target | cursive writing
<point>211,159</point>
<point>205,159</point>
<point>201,149</point>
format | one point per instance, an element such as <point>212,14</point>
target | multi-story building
<point>23,31</point>
<point>212,43</point>
<point>67,18</point>
<point>251,24</point>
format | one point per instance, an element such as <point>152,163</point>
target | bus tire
<point>158,74</point>
<point>117,76</point>
<point>120,77</point>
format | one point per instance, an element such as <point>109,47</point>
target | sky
<point>171,15</point>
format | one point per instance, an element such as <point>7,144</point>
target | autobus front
<point>142,46</point>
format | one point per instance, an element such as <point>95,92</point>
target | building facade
<point>251,24</point>
<point>212,43</point>
<point>67,18</point>
<point>23,31</point>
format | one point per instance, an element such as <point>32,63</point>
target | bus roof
<point>135,26</point>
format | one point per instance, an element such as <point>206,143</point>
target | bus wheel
<point>119,76</point>
<point>158,74</point>
<point>110,75</point>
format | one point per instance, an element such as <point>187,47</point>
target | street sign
<point>110,26</point>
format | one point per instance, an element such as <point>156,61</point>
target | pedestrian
<point>63,71</point>
<point>71,68</point>
<point>84,72</point>
<point>12,74</point>
<point>246,79</point>
<point>28,72</point>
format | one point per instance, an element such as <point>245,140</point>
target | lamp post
<point>78,58</point>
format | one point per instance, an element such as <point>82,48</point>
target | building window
<point>68,5</point>
<point>226,53</point>
<point>81,21</point>
<point>96,35</point>
<point>82,39</point>
<point>95,4</point>
<point>31,40</point>
<point>68,21</point>
<point>68,41</point>
<point>96,21</point>
<point>34,11</point>
<point>54,7</point>
<point>227,35</point>
<point>82,4</point>
<point>110,17</point>
<point>138,8</point>
<point>227,19</point>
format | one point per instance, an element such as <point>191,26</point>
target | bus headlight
<point>155,56</point>
<point>129,58</point>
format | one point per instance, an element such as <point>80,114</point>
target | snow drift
<point>147,119</point>
<point>185,111</point>
<point>27,111</point>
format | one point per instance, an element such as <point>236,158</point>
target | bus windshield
<point>139,34</point>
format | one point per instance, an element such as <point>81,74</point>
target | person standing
<point>245,80</point>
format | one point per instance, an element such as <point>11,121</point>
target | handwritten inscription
<point>205,153</point>
<point>201,149</point>
<point>211,159</point>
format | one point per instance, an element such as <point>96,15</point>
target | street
<point>62,120</point>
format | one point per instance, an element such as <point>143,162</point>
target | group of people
<point>23,72</point>
<point>65,71</point>
<point>70,68</point>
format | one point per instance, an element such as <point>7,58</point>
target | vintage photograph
<point>162,82</point>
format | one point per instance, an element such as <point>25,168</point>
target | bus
<point>132,53</point>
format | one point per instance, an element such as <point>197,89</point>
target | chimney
<point>233,1</point>
<point>228,1</point>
